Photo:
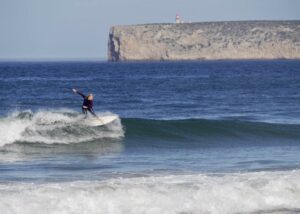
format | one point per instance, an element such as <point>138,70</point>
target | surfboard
<point>100,121</point>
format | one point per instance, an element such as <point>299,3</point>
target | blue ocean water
<point>208,134</point>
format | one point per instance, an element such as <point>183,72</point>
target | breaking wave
<point>65,127</point>
<point>62,126</point>
<point>259,192</point>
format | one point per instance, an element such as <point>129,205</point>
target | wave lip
<point>46,126</point>
<point>259,192</point>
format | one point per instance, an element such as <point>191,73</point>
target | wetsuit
<point>87,105</point>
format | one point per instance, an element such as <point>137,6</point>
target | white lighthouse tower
<point>177,19</point>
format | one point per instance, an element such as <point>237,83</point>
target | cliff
<point>208,40</point>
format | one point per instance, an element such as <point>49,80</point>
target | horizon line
<point>53,59</point>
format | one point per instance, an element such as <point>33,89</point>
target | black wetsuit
<point>87,105</point>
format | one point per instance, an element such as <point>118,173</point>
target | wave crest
<point>46,126</point>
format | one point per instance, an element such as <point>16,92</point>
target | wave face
<point>50,127</point>
<point>210,132</point>
<point>260,192</point>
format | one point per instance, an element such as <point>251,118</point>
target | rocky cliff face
<point>211,40</point>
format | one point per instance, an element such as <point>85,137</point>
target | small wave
<point>46,126</point>
<point>260,192</point>
<point>208,131</point>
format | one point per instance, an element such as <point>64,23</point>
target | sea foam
<point>258,192</point>
<point>47,126</point>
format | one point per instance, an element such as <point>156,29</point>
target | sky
<point>78,29</point>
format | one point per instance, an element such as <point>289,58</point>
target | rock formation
<point>207,40</point>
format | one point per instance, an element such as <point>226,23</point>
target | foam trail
<point>46,126</point>
<point>260,192</point>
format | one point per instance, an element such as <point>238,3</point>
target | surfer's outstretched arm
<point>78,92</point>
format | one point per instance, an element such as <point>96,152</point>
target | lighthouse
<point>177,19</point>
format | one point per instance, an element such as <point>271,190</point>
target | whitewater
<point>60,126</point>
<point>266,192</point>
<point>190,137</point>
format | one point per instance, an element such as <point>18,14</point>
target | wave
<point>259,192</point>
<point>209,131</point>
<point>61,126</point>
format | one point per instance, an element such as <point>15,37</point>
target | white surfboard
<point>100,121</point>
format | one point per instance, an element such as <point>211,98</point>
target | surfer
<point>87,104</point>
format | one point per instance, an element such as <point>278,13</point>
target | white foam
<point>201,193</point>
<point>48,126</point>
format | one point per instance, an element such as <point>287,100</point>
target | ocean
<point>191,137</point>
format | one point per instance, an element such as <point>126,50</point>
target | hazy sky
<point>62,29</point>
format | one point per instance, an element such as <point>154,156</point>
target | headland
<point>205,41</point>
